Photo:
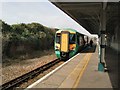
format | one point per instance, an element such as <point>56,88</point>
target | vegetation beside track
<point>24,39</point>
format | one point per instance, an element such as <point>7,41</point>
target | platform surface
<point>80,72</point>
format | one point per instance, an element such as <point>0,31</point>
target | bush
<point>26,38</point>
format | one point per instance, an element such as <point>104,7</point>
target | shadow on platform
<point>89,49</point>
<point>111,58</point>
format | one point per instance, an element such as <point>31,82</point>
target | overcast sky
<point>44,13</point>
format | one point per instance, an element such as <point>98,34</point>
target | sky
<point>43,12</point>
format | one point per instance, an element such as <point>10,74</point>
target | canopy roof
<point>87,14</point>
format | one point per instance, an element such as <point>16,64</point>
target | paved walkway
<point>92,78</point>
<point>79,72</point>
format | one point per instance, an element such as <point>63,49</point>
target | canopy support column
<point>102,63</point>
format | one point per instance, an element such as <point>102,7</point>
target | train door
<point>64,41</point>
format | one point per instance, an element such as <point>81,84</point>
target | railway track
<point>19,80</point>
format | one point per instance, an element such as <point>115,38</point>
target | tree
<point>5,27</point>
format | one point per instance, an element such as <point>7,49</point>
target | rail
<point>15,82</point>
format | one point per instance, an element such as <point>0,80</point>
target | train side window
<point>57,38</point>
<point>78,41</point>
<point>81,40</point>
<point>72,39</point>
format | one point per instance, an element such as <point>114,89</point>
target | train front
<point>65,44</point>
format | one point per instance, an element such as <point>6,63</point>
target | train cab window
<point>72,39</point>
<point>58,38</point>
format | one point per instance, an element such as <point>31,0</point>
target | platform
<point>79,72</point>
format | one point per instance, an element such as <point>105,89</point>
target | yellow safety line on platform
<point>71,80</point>
<point>87,59</point>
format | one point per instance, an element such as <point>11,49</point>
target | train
<point>68,42</point>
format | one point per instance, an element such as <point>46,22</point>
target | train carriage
<point>68,42</point>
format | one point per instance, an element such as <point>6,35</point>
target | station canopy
<point>87,14</point>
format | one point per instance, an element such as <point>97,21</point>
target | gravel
<point>23,66</point>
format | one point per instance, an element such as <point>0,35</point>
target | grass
<point>17,59</point>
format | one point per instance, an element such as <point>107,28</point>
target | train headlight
<point>73,48</point>
<point>56,47</point>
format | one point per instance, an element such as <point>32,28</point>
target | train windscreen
<point>58,38</point>
<point>72,39</point>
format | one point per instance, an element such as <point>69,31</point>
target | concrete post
<point>102,64</point>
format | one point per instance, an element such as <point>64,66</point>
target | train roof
<point>68,29</point>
